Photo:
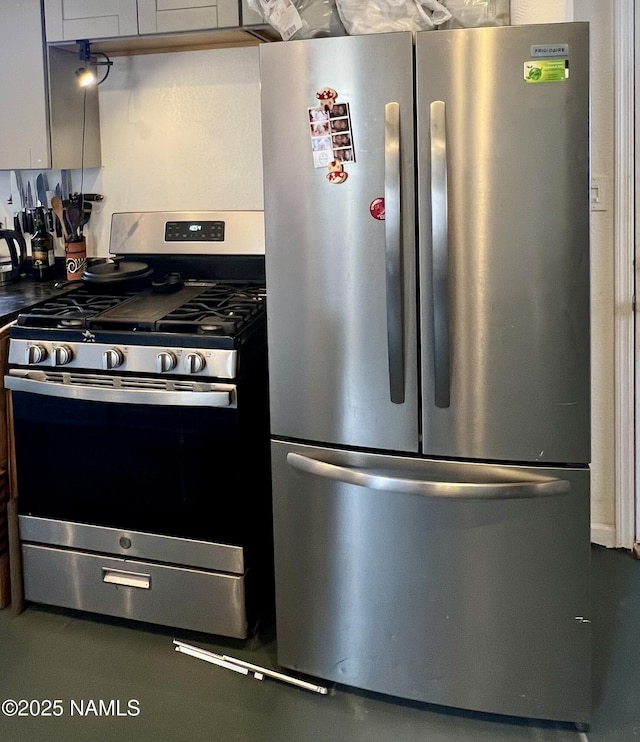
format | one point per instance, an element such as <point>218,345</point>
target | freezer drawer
<point>453,583</point>
<point>136,589</point>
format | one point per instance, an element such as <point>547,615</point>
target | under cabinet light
<point>87,74</point>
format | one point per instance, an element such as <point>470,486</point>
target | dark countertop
<point>25,292</point>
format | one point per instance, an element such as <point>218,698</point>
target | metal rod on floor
<point>215,659</point>
<point>278,675</point>
<point>232,663</point>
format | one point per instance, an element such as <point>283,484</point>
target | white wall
<point>603,503</point>
<point>541,11</point>
<point>180,131</point>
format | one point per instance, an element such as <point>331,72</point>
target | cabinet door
<point>165,16</point>
<point>24,140</point>
<point>68,20</point>
<point>250,17</point>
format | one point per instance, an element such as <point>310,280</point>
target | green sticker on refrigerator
<point>546,70</point>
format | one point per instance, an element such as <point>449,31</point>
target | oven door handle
<point>118,392</point>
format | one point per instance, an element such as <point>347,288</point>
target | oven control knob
<point>194,363</point>
<point>61,355</point>
<point>166,361</point>
<point>112,358</point>
<point>36,354</point>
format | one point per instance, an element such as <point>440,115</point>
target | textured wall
<point>541,11</point>
<point>603,505</point>
<point>179,131</point>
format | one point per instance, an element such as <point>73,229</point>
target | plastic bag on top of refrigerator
<point>379,16</point>
<point>300,19</point>
<point>474,13</point>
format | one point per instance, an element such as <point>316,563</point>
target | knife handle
<point>58,226</point>
<point>16,224</point>
<point>90,196</point>
<point>51,226</point>
<point>30,227</point>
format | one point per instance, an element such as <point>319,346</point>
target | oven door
<point>170,457</point>
<point>143,498</point>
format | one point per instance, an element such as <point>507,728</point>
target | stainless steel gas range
<point>141,429</point>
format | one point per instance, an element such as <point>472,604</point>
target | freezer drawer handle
<point>393,251</point>
<point>130,579</point>
<point>440,241</point>
<point>532,486</point>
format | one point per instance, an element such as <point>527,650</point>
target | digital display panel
<point>194,232</point>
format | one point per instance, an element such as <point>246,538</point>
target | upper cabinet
<point>164,16</point>
<point>250,17</point>
<point>47,117</point>
<point>70,20</point>
<point>24,140</point>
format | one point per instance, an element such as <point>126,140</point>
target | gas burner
<point>217,326</point>
<point>221,309</point>
<point>68,311</point>
<point>201,311</point>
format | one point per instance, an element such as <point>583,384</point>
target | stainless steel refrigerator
<point>427,258</point>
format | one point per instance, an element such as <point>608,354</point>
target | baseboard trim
<point>604,535</point>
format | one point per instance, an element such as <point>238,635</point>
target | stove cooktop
<point>210,325</point>
<point>210,308</point>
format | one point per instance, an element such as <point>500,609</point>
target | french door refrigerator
<point>427,259</point>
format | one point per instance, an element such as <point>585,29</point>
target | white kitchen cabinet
<point>166,16</point>
<point>70,20</point>
<point>249,16</point>
<point>23,139</point>
<point>44,108</point>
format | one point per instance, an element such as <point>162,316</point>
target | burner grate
<point>222,309</point>
<point>68,311</point>
<point>218,309</point>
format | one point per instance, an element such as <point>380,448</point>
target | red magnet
<point>376,208</point>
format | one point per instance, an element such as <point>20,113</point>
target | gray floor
<point>53,654</point>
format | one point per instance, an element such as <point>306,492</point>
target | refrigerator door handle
<point>440,242</point>
<point>393,261</point>
<point>531,485</point>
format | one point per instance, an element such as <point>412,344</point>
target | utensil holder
<point>75,258</point>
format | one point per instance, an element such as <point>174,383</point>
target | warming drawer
<point>137,590</point>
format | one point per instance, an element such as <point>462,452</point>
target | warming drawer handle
<point>130,579</point>
<point>440,237</point>
<point>393,251</point>
<point>33,382</point>
<point>537,486</point>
